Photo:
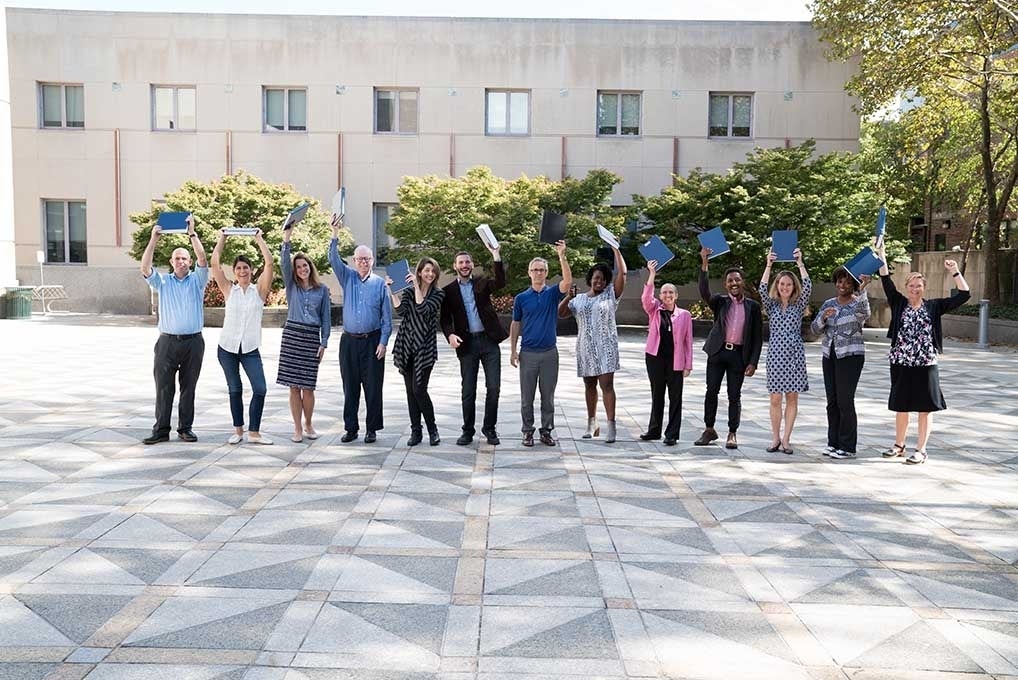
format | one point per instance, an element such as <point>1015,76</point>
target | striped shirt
<point>180,300</point>
<point>843,331</point>
<point>366,305</point>
<point>415,342</point>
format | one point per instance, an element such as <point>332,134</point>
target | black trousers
<point>359,368</point>
<point>176,355</point>
<point>481,351</point>
<point>841,378</point>
<point>725,365</point>
<point>417,398</point>
<point>664,378</point>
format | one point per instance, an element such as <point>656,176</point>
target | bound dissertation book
<point>487,235</point>
<point>783,243</point>
<point>173,222</point>
<point>865,263</point>
<point>715,240</point>
<point>655,249</point>
<point>553,227</point>
<point>296,215</point>
<point>240,231</point>
<point>398,272</point>
<point>607,236</point>
<point>339,203</point>
<point>881,226</point>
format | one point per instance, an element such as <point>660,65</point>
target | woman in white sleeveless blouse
<point>241,335</point>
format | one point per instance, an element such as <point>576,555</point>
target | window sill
<point>600,136</point>
<point>730,139</point>
<point>175,131</point>
<point>63,129</point>
<point>516,135</point>
<point>273,131</point>
<point>65,264</point>
<point>396,134</point>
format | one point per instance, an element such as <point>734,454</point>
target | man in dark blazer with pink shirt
<point>470,324</point>
<point>733,349</point>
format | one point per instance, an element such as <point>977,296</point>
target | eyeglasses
<point>362,259</point>
<point>535,269</point>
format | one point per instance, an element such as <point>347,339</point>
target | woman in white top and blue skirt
<point>305,336</point>
<point>241,336</point>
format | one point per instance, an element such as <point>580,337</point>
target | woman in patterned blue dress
<point>785,304</point>
<point>916,339</point>
<point>597,339</point>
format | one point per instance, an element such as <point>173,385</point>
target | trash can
<point>19,302</point>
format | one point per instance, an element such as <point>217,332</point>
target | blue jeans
<point>252,363</point>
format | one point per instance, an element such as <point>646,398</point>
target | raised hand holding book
<point>487,236</point>
<point>714,239</point>
<point>339,203</point>
<point>783,243</point>
<point>398,271</point>
<point>240,231</point>
<point>553,227</point>
<point>296,215</point>
<point>173,222</point>
<point>881,226</point>
<point>865,263</point>
<point>607,236</point>
<point>655,249</point>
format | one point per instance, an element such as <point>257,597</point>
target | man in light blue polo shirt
<point>180,347</point>
<point>535,311</point>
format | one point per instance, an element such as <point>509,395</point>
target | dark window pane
<point>384,110</point>
<point>742,107</point>
<point>718,115</point>
<point>630,114</point>
<point>76,228</point>
<point>55,231</point>
<point>607,114</point>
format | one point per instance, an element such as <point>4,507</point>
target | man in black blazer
<point>733,348</point>
<point>470,324</point>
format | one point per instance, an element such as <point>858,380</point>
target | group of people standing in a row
<point>463,311</point>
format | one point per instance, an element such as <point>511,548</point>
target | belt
<point>181,337</point>
<point>479,334</point>
<point>729,345</point>
<point>362,335</point>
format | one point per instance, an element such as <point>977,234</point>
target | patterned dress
<point>915,376</point>
<point>786,355</point>
<point>597,337</point>
<point>415,347</point>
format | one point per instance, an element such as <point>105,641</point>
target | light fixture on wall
<point>228,88</point>
<point>675,94</point>
<point>563,92</point>
<point>945,225</point>
<point>341,89</point>
<point>453,92</point>
<point>116,87</point>
<point>789,95</point>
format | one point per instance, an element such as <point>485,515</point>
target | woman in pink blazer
<point>669,357</point>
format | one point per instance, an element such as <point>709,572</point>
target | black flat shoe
<point>348,437</point>
<point>369,438</point>
<point>464,439</point>
<point>433,437</point>
<point>789,451</point>
<point>415,438</point>
<point>650,436</point>
<point>773,448</point>
<point>187,436</point>
<point>155,439</point>
<point>492,438</point>
<point>669,441</point>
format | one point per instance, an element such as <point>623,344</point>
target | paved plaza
<point>322,561</point>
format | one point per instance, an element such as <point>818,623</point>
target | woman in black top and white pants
<point>916,339</point>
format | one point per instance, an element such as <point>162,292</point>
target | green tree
<point>828,199</point>
<point>960,54</point>
<point>437,216</point>
<point>240,200</point>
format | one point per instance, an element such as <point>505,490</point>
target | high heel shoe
<point>609,433</point>
<point>592,429</point>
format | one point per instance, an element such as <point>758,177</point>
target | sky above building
<point>749,10</point>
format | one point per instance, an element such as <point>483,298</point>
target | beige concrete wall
<point>119,56</point>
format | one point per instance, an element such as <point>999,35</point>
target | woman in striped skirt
<point>416,351</point>
<point>305,336</point>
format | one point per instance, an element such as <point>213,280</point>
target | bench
<point>47,295</point>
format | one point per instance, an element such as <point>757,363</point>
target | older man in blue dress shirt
<point>367,325</point>
<point>180,347</point>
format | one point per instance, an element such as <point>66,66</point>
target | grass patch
<point>1000,311</point>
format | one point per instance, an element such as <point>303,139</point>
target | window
<point>285,109</point>
<point>65,232</point>
<point>173,108</point>
<point>618,113</point>
<point>61,106</point>
<point>730,115</point>
<point>380,217</point>
<point>940,242</point>
<point>507,112</point>
<point>396,111</point>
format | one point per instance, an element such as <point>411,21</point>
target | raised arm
<point>268,270</point>
<point>962,296</point>
<point>217,266</point>
<point>567,273</point>
<point>339,268</point>
<point>199,250</point>
<point>704,284</point>
<point>620,273</point>
<point>146,257</point>
<point>765,278</point>
<point>498,268</point>
<point>285,263</point>
<point>647,296</point>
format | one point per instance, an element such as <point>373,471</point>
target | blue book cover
<point>783,243</point>
<point>865,263</point>
<point>881,224</point>
<point>398,271</point>
<point>296,215</point>
<point>173,221</point>
<point>715,240</point>
<point>655,249</point>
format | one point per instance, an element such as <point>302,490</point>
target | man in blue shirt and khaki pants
<point>535,313</point>
<point>180,347</point>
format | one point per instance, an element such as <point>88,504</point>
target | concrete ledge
<point>1002,331</point>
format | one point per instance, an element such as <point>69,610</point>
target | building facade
<point>111,110</point>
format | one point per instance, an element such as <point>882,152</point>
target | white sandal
<point>918,457</point>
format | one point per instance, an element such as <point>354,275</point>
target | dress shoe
<point>416,436</point>
<point>369,437</point>
<point>464,439</point>
<point>156,438</point>
<point>528,438</point>
<point>732,442</point>
<point>669,441</point>
<point>348,437</point>
<point>547,440</point>
<point>492,437</point>
<point>650,436</point>
<point>433,437</point>
<point>709,435</point>
<point>187,435</point>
